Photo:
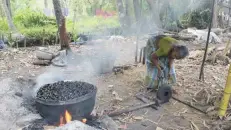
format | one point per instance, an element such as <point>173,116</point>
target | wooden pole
<point>207,43</point>
<point>117,113</point>
<point>144,55</point>
<point>25,42</point>
<point>140,57</point>
<point>136,48</point>
<point>43,37</point>
<point>56,37</point>
<point>199,110</point>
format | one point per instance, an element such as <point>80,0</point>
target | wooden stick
<point>201,76</point>
<point>17,43</point>
<point>144,52</point>
<point>185,103</point>
<point>145,100</point>
<point>25,42</point>
<point>56,37</point>
<point>136,49</point>
<point>43,40</point>
<point>141,50</point>
<point>225,51</point>
<point>126,110</point>
<point>42,62</point>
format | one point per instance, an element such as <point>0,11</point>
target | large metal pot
<point>79,108</point>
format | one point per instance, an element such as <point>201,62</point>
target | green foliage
<point>46,32</point>
<point>29,18</point>
<point>3,25</point>
<point>199,19</point>
<point>35,25</point>
<point>88,24</point>
<point>88,7</point>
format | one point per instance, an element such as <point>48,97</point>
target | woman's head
<point>179,52</point>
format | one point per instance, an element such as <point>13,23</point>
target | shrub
<point>30,18</point>
<point>35,25</point>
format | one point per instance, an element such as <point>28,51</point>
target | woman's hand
<point>159,72</point>
<point>170,66</point>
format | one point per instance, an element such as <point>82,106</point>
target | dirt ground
<point>17,64</point>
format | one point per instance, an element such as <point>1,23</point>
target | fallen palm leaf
<point>195,127</point>
<point>116,96</point>
<point>205,125</point>
<point>158,128</point>
<point>138,117</point>
<point>210,109</point>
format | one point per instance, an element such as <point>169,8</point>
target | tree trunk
<point>215,15</point>
<point>155,17</point>
<point>137,9</point>
<point>9,7</point>
<point>60,19</point>
<point>45,4</point>
<point>8,16</point>
<point>121,12</point>
<point>127,15</point>
<point>137,12</point>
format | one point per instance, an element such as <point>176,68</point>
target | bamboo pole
<point>226,96</point>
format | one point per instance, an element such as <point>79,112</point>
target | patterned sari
<point>152,79</point>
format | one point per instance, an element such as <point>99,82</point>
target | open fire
<point>77,98</point>
<point>65,119</point>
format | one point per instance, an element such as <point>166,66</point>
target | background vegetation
<point>29,18</point>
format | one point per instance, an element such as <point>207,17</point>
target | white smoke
<point>152,22</point>
<point>94,59</point>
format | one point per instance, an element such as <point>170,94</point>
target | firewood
<point>179,37</point>
<point>42,62</point>
<point>127,110</point>
<point>145,100</point>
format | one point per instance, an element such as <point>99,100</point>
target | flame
<point>67,116</point>
<point>62,120</point>
<point>84,120</point>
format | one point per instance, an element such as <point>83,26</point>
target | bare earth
<point>15,66</point>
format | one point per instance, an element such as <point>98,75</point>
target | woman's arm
<point>155,61</point>
<point>170,63</point>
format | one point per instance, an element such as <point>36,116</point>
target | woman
<point>161,51</point>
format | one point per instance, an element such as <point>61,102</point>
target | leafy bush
<point>200,19</point>
<point>3,25</point>
<point>46,32</point>
<point>35,25</point>
<point>29,18</point>
<point>89,24</point>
